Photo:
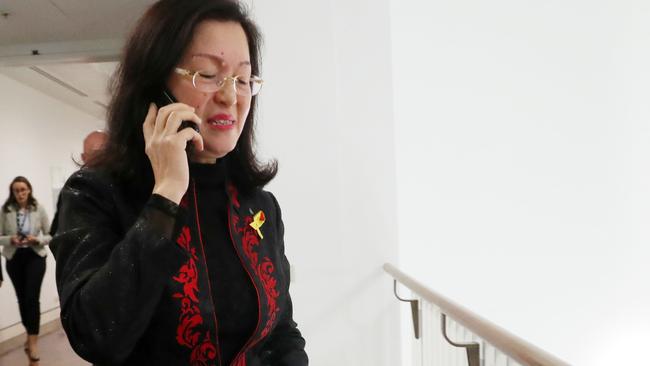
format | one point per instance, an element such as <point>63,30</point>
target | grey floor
<point>54,350</point>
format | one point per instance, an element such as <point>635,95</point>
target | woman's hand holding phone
<point>15,241</point>
<point>30,240</point>
<point>165,147</point>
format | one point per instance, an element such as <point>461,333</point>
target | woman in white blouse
<point>24,233</point>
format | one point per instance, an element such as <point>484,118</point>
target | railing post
<point>415,313</point>
<point>473,349</point>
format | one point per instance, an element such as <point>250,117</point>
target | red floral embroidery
<point>233,193</point>
<point>263,271</point>
<point>187,275</point>
<point>203,353</point>
<point>184,238</point>
<point>187,334</point>
<point>250,240</point>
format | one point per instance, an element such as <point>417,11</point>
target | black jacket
<point>133,280</point>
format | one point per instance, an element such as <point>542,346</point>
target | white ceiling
<point>39,21</point>
<point>80,85</point>
<point>71,37</point>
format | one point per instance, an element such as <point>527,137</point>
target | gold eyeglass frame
<point>191,75</point>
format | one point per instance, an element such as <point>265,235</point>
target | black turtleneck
<point>233,294</point>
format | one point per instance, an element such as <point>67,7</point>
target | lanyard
<point>20,224</point>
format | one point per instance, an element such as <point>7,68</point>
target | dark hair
<point>11,200</point>
<point>152,51</point>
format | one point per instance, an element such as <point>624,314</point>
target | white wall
<point>39,137</point>
<point>327,117</point>
<point>522,151</point>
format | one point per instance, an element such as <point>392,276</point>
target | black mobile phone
<point>168,98</point>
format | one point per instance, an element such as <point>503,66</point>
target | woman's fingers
<point>165,113</point>
<point>175,119</point>
<point>161,124</point>
<point>149,122</point>
<point>188,135</point>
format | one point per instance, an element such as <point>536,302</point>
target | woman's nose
<point>227,95</point>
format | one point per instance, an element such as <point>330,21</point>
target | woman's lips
<point>221,122</point>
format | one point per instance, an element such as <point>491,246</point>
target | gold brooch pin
<point>258,221</point>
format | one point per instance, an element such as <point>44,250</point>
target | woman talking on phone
<point>24,234</point>
<point>168,250</point>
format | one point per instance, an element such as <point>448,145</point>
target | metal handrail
<point>508,343</point>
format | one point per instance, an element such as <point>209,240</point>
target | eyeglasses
<point>210,82</point>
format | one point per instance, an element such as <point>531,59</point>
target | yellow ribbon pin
<point>258,221</point>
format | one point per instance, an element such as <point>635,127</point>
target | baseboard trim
<point>12,343</point>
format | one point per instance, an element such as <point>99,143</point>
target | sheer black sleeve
<point>110,279</point>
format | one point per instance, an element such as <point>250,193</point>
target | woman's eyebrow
<point>218,58</point>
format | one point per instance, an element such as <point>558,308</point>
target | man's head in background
<point>93,143</point>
